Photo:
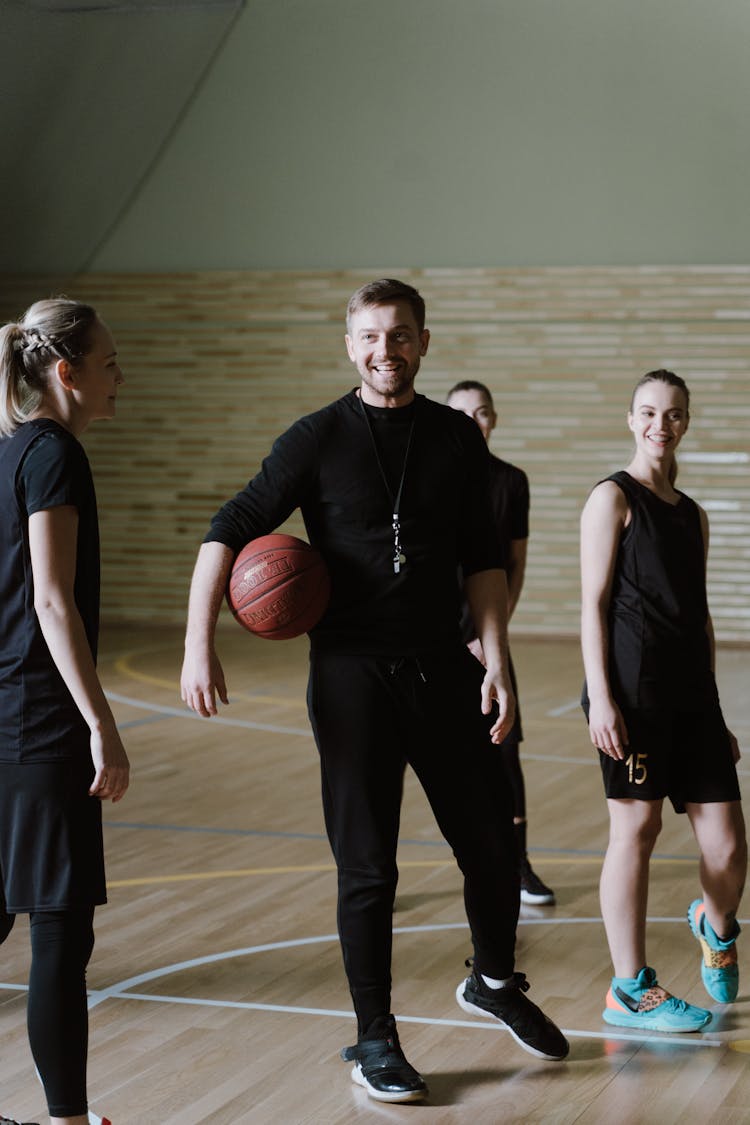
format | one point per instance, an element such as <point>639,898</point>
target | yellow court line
<point>550,860</point>
<point>297,869</point>
<point>123,667</point>
<point>240,872</point>
<point>195,875</point>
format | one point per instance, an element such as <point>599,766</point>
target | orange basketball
<point>279,587</point>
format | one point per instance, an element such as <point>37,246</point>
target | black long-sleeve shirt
<point>326,465</point>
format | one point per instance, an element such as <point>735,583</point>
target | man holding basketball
<point>393,489</point>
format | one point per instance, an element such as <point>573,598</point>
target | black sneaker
<point>12,1121</point>
<point>533,891</point>
<point>380,1066</point>
<point>527,1024</point>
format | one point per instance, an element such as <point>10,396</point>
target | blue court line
<point>160,712</point>
<point>218,831</point>
<point>272,834</point>
<point>143,722</point>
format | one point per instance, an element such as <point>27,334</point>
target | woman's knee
<point>635,824</point>
<point>727,853</point>
<point>720,832</point>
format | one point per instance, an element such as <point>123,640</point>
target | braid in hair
<point>58,328</point>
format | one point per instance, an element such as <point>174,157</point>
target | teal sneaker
<point>719,969</point>
<point>642,1003</point>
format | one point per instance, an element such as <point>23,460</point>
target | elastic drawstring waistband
<point>402,661</point>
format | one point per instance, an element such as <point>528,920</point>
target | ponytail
<point>49,330</point>
<point>18,396</point>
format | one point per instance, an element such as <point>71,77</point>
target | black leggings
<point>512,761</point>
<point>511,756</point>
<point>57,1012</point>
<point>370,717</point>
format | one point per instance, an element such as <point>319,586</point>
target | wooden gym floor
<point>217,993</point>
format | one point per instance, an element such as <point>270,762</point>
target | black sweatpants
<point>57,1013</point>
<point>371,716</point>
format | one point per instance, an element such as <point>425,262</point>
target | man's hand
<point>496,689</point>
<point>202,680</point>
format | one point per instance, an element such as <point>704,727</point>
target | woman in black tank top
<point>652,707</point>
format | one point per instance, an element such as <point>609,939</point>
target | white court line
<point>186,713</point>
<point>483,1025</point>
<point>274,728</point>
<point>565,709</point>
<point>95,998</point>
<point>123,990</point>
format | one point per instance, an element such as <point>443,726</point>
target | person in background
<point>652,706</point>
<point>509,495</point>
<point>60,752</point>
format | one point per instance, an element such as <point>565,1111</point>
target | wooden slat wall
<point>219,363</point>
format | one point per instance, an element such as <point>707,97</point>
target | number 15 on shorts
<point>636,766</point>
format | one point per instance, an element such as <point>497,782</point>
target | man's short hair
<point>472,385</point>
<point>384,291</point>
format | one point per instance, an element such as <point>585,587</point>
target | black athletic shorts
<point>51,849</point>
<point>683,755</point>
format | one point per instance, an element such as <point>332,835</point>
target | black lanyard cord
<point>399,558</point>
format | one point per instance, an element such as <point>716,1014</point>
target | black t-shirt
<point>42,466</point>
<point>509,497</point>
<point>325,464</point>
<point>509,494</point>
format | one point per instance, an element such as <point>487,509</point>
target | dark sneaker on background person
<point>533,891</point>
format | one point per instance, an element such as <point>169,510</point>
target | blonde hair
<point>57,328</point>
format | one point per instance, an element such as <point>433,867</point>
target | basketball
<point>279,587</point>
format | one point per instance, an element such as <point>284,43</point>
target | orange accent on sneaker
<point>720,958</point>
<point>713,958</point>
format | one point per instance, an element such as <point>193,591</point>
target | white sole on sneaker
<point>380,1095</point>
<point>475,1010</point>
<point>626,1020</point>
<point>530,899</point>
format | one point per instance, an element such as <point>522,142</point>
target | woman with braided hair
<point>60,752</point>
